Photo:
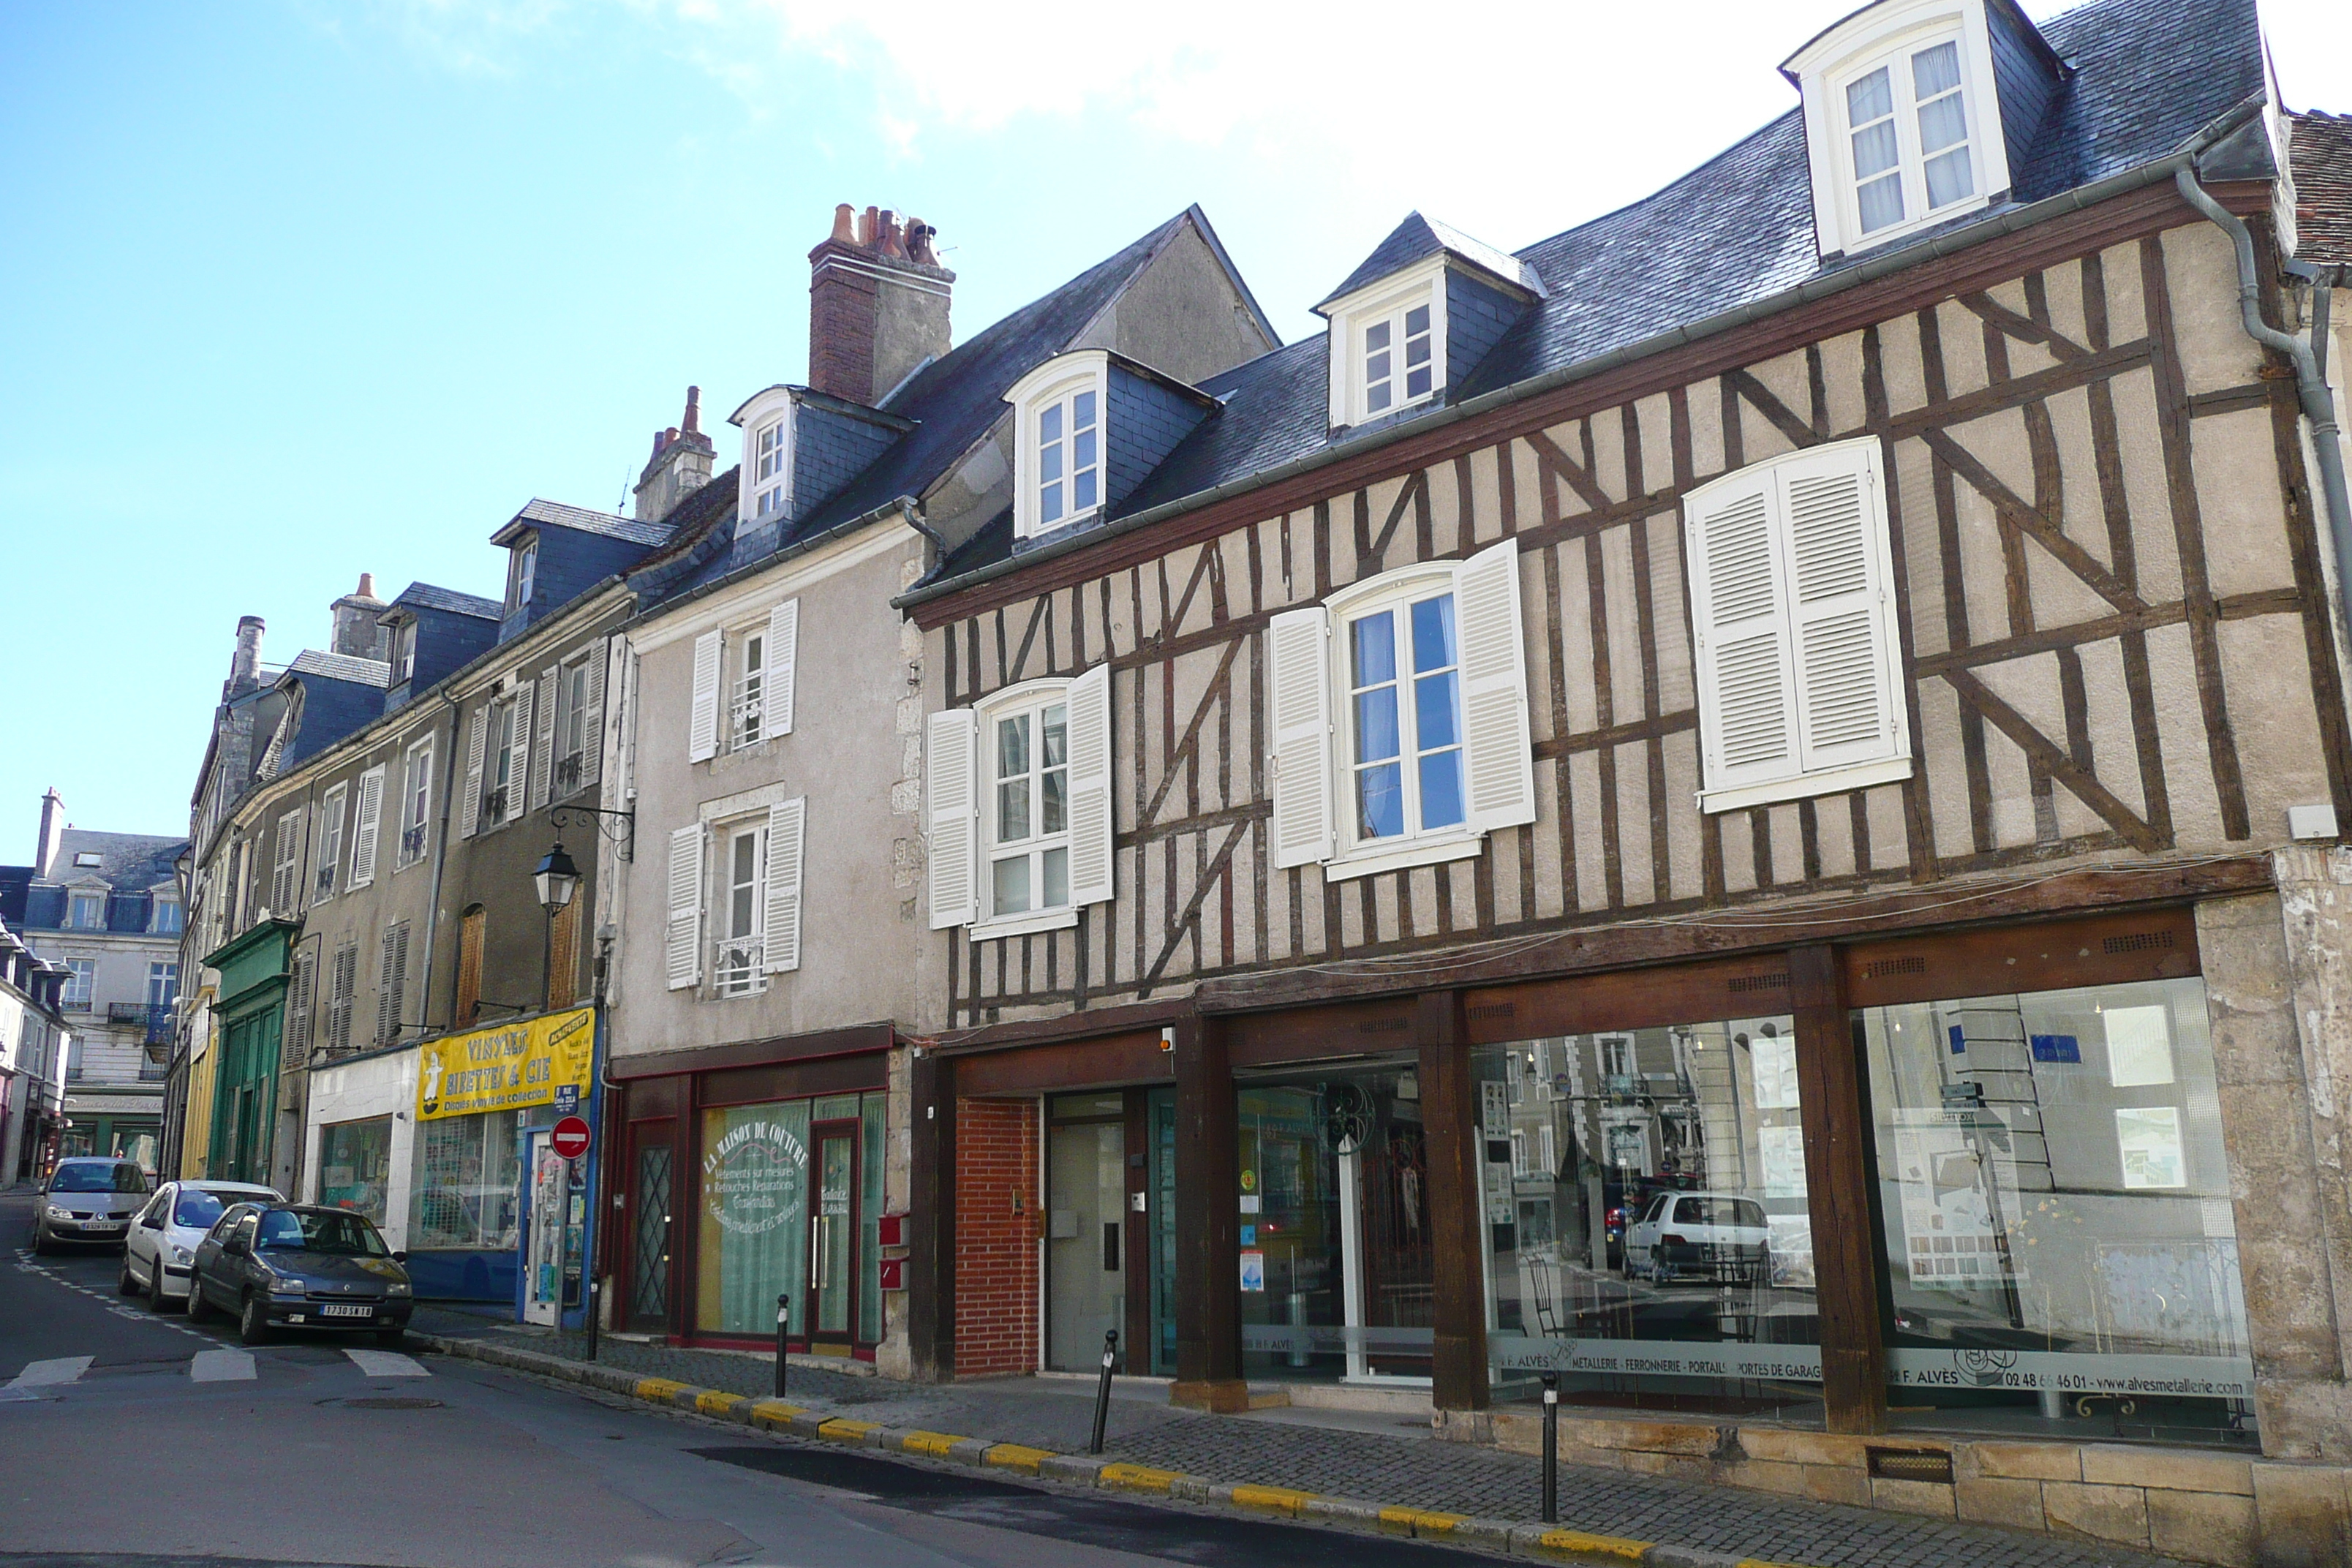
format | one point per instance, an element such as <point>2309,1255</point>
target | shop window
<point>2061,1246</point>
<point>354,1164</point>
<point>467,1174</point>
<point>753,1242</point>
<point>1645,1228</point>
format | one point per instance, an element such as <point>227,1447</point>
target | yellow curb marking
<point>933,1443</point>
<point>1593,1546</point>
<point>1013,1456</point>
<point>775,1411</point>
<point>842,1430</point>
<point>1280,1500</point>
<point>1418,1521</point>
<point>1135,1479</point>
<point>711,1402</point>
<point>661,1390</point>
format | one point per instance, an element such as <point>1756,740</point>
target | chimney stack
<point>681,463</point>
<point>356,632</point>
<point>245,664</point>
<point>878,303</point>
<point>53,833</point>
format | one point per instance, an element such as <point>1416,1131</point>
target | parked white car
<point>1711,1235</point>
<point>160,1248</point>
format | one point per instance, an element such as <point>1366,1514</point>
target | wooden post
<point>1449,1109</point>
<point>931,1219</point>
<point>1208,1240</point>
<point>1838,1174</point>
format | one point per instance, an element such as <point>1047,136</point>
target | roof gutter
<point>906,506</point>
<point>2161,169</point>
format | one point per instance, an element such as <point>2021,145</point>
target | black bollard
<point>783,1333</point>
<point>1551,1448</point>
<point>1102,1390</point>
<point>591,1295</point>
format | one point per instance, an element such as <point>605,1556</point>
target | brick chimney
<point>53,833</point>
<point>245,664</point>
<point>877,304</point>
<point>680,465</point>
<point>356,632</point>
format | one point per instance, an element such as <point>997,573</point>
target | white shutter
<point>1746,697</point>
<point>281,880</point>
<point>518,768</point>
<point>592,718</point>
<point>1838,581</point>
<point>1087,706</point>
<point>365,826</point>
<point>1497,752</point>
<point>952,761</point>
<point>1298,647</point>
<point>542,751</point>
<point>685,935</point>
<point>784,648</point>
<point>469,802</point>
<point>702,717</point>
<point>786,823</point>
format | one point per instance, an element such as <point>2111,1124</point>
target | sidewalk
<point>1468,1495</point>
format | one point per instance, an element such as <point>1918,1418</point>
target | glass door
<point>551,1182</point>
<point>833,1277</point>
<point>648,1301</point>
<point>1085,1228</point>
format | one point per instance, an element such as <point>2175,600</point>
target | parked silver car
<point>158,1252</point>
<point>90,1198</point>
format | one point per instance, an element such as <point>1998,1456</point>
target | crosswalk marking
<point>52,1373</point>
<point>386,1363</point>
<point>222,1366</point>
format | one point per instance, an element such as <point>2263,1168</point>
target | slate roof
<point>128,862</point>
<point>555,513</point>
<point>2320,152</point>
<point>1418,237</point>
<point>426,597</point>
<point>2148,75</point>
<point>342,667</point>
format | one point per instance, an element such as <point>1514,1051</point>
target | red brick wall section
<point>842,307</point>
<point>996,1236</point>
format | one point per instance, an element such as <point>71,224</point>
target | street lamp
<point>557,878</point>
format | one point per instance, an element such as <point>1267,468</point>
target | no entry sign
<point>570,1138</point>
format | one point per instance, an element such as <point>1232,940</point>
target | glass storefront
<point>1645,1229</point>
<point>790,1204</point>
<point>465,1185</point>
<point>355,1166</point>
<point>2059,1242</point>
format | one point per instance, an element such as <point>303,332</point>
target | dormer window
<point>85,911</point>
<point>526,573</point>
<point>403,652</point>
<point>1921,143</point>
<point>1060,416</point>
<point>1389,343</point>
<point>1398,369</point>
<point>771,466</point>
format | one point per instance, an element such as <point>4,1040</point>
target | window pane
<point>1416,320</point>
<point>1082,491</point>
<point>1049,423</point>
<point>1949,178</point>
<point>1049,462</point>
<point>1012,885</point>
<point>1012,746</point>
<point>1049,504</point>
<point>1376,336</point>
<point>1933,71</point>
<point>1874,150</point>
<point>1376,724</point>
<point>1082,411</point>
<point>1942,123</point>
<point>1379,802</point>
<point>1881,202</point>
<point>1416,351</point>
<point>1374,639</point>
<point>1440,789</point>
<point>1083,457</point>
<point>1377,367</point>
<point>1433,710</point>
<point>1377,398</point>
<point>1056,878</point>
<point>1054,721</point>
<point>1872,98</point>
<point>1013,811</point>
<point>1416,382</point>
<point>1053,803</point>
<point>1433,633</point>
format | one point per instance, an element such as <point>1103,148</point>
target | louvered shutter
<point>782,659</point>
<point>281,878</point>
<point>951,765</point>
<point>592,719</point>
<point>469,802</point>
<point>684,955</point>
<point>702,717</point>
<point>542,751</point>
<point>366,827</point>
<point>1298,647</point>
<point>1087,708</point>
<point>1837,572</point>
<point>787,822</point>
<point>518,769</point>
<point>1498,753</point>
<point>1746,696</point>
<point>387,994</point>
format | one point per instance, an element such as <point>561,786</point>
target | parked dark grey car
<point>90,1198</point>
<point>273,1266</point>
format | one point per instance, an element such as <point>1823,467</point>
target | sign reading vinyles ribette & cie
<point>532,1061</point>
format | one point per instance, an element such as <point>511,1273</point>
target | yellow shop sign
<point>534,1061</point>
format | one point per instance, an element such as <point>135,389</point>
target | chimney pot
<point>845,224</point>
<point>367,585</point>
<point>893,244</point>
<point>694,411</point>
<point>866,227</point>
<point>870,326</point>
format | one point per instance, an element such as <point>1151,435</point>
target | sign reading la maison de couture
<point>532,1061</point>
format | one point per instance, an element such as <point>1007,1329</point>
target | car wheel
<point>1658,1269</point>
<point>41,1242</point>
<point>156,1301</point>
<point>126,1285</point>
<point>199,1310</point>
<point>253,1324</point>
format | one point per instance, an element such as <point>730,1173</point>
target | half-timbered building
<point>1737,807</point>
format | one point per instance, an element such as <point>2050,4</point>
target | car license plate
<point>353,1310</point>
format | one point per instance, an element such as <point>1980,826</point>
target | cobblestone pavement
<point>1456,1478</point>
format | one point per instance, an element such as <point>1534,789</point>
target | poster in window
<point>1950,1241</point>
<point>2140,1046</point>
<point>1775,1059</point>
<point>1780,1152</point>
<point>2149,1138</point>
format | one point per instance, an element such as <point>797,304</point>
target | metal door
<point>647,1305</point>
<point>1086,1225</point>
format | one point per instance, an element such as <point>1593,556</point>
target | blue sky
<point>296,289</point>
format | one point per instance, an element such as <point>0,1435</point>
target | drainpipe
<point>2311,384</point>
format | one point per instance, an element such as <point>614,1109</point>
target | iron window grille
<point>412,844</point>
<point>494,807</point>
<point>567,774</point>
<point>326,881</point>
<point>744,711</point>
<point>738,969</point>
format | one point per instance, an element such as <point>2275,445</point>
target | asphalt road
<point>171,1445</point>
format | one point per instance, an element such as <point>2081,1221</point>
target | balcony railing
<point>494,807</point>
<point>567,774</point>
<point>154,1022</point>
<point>326,883</point>
<point>736,969</point>
<point>412,844</point>
<point>743,726</point>
<point>154,1072</point>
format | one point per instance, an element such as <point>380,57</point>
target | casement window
<point>1396,365</point>
<point>416,802</point>
<point>1061,410</point>
<point>367,825</point>
<point>342,985</point>
<point>771,465</point>
<point>1907,136</point>
<point>85,911</point>
<point>81,976</point>
<point>578,740</point>
<point>1019,816</point>
<point>497,756</point>
<point>330,843</point>
<point>167,918</point>
<point>525,575</point>
<point>739,880</point>
<point>1388,345</point>
<point>1798,652</point>
<point>392,985</point>
<point>285,887</point>
<point>1400,719</point>
<point>403,652</point>
<point>754,668</point>
<point>163,983</point>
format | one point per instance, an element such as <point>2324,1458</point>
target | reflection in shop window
<point>468,1171</point>
<point>2060,1241</point>
<point>354,1164</point>
<point>1659,1254</point>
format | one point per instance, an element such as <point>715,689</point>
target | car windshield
<point>96,1177</point>
<point>1723,1211</point>
<point>199,1209</point>
<point>300,1230</point>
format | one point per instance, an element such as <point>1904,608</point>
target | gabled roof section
<point>556,514</point>
<point>1417,238</point>
<point>2320,151</point>
<point>426,597</point>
